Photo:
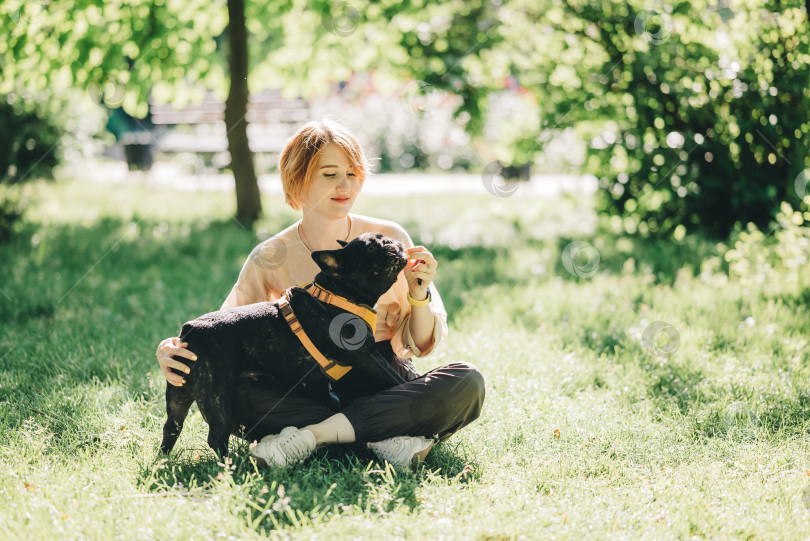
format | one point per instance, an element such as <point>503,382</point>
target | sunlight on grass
<point>589,430</point>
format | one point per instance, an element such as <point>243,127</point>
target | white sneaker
<point>289,447</point>
<point>400,451</point>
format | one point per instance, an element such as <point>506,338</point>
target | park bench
<point>200,128</point>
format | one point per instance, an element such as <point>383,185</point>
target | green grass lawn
<point>589,429</point>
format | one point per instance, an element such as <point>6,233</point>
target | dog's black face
<point>364,268</point>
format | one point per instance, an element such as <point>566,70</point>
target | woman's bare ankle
<point>335,429</point>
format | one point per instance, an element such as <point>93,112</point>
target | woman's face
<point>334,187</point>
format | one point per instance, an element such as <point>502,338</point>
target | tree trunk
<point>248,200</point>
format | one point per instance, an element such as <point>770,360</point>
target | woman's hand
<point>173,347</point>
<point>419,271</point>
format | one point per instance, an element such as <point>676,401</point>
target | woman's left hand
<point>421,266</point>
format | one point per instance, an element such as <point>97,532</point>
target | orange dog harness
<point>331,368</point>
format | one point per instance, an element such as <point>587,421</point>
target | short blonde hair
<point>299,158</point>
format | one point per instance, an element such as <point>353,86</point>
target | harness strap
<point>324,295</point>
<point>333,370</point>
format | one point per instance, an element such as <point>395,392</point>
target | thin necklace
<point>306,241</point>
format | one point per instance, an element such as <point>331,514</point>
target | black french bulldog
<point>257,337</point>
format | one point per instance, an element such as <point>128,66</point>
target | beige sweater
<point>283,261</point>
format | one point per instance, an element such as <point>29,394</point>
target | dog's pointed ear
<point>328,260</point>
<point>342,243</point>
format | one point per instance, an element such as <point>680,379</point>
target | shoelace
<point>295,440</point>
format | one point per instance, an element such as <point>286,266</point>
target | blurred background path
<point>168,175</point>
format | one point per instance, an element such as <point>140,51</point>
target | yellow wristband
<point>415,302</point>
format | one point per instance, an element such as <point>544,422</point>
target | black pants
<point>435,404</point>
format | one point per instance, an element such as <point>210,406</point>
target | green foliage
<point>28,139</point>
<point>441,40</point>
<point>120,52</point>
<point>777,257</point>
<point>29,144</point>
<point>11,210</point>
<point>696,122</point>
<point>705,134</point>
<point>174,50</point>
<point>695,114</point>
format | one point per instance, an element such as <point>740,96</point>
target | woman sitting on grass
<point>322,171</point>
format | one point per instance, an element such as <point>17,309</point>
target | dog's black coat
<point>256,337</point>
